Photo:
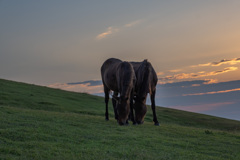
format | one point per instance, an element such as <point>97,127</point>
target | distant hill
<point>201,96</point>
<point>44,123</point>
<point>91,83</point>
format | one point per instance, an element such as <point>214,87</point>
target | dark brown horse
<point>146,83</point>
<point>119,77</point>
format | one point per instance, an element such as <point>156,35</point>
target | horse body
<point>146,83</point>
<point>119,77</point>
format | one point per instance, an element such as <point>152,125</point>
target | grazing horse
<point>146,83</point>
<point>119,77</point>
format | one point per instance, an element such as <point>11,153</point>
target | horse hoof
<point>134,123</point>
<point>120,123</point>
<point>156,124</point>
<point>123,124</point>
<point>140,122</point>
<point>106,119</point>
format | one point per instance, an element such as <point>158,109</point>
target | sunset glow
<point>214,92</point>
<point>202,107</point>
<point>225,61</point>
<point>201,71</point>
<point>192,45</point>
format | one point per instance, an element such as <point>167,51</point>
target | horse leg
<point>154,108</point>
<point>114,102</point>
<point>106,91</point>
<point>131,108</point>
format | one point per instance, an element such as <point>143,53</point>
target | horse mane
<point>143,78</point>
<point>126,77</point>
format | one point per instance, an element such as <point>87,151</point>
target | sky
<point>57,42</point>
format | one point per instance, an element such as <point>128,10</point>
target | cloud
<point>194,72</point>
<point>175,70</point>
<point>162,83</point>
<point>224,61</point>
<point>210,81</point>
<point>196,85</point>
<point>132,23</point>
<point>110,30</point>
<point>160,73</point>
<point>213,92</point>
<point>202,107</point>
<point>84,88</point>
<point>113,30</point>
<point>198,74</point>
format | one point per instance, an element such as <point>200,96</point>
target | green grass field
<point>43,123</point>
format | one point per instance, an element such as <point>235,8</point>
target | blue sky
<point>44,42</point>
<point>56,42</point>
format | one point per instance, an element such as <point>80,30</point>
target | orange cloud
<point>214,92</point>
<point>132,23</point>
<point>196,85</point>
<point>175,70</point>
<point>224,61</point>
<point>110,30</point>
<point>160,82</point>
<point>210,81</point>
<point>84,88</point>
<point>160,73</point>
<point>198,75</point>
<point>207,81</point>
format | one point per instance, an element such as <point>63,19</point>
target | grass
<point>43,123</point>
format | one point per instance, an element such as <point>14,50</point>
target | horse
<point>146,83</point>
<point>119,77</point>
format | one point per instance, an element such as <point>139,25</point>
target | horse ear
<point>115,97</point>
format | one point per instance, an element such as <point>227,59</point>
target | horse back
<point>108,73</point>
<point>140,68</point>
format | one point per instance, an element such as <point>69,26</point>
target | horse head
<point>140,109</point>
<point>123,109</point>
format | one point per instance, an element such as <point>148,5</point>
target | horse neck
<point>126,78</point>
<point>143,80</point>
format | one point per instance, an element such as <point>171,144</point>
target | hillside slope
<point>43,123</point>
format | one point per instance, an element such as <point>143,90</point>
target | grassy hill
<point>43,123</point>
